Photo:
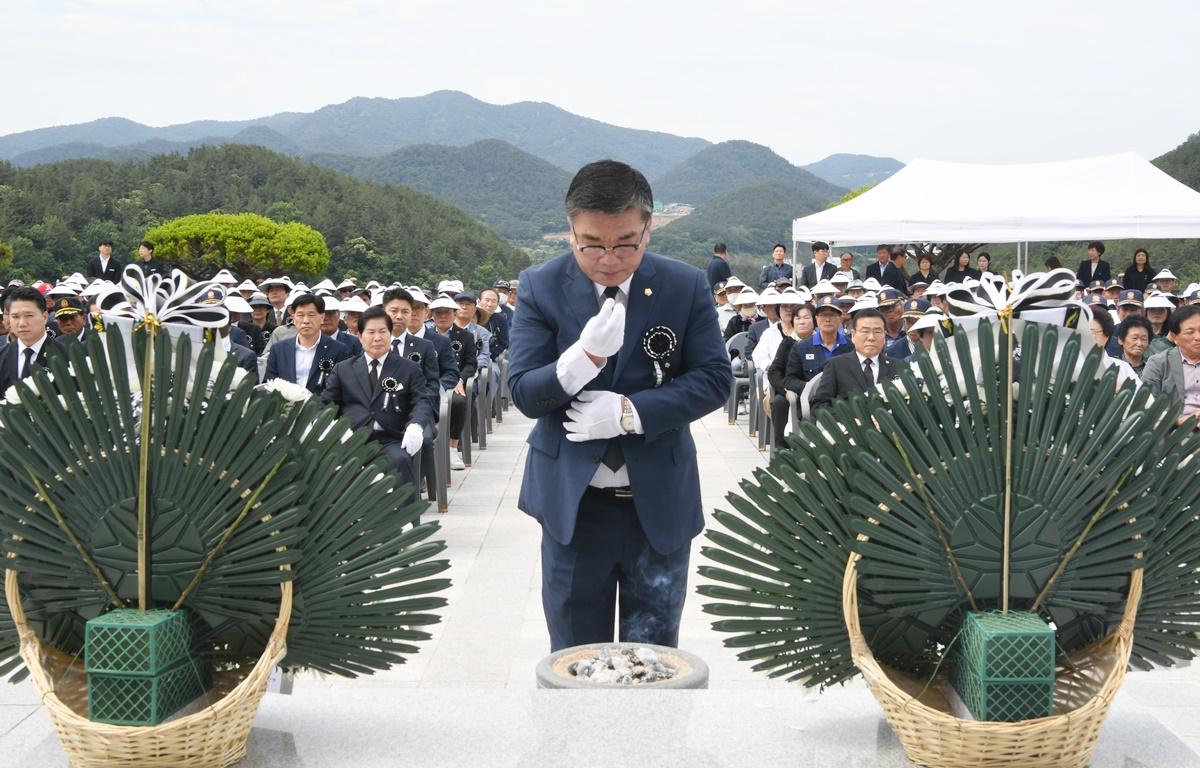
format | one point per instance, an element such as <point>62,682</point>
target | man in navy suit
<point>331,326</point>
<point>309,358</point>
<point>847,375</point>
<point>615,352</point>
<point>384,392</point>
<point>26,309</point>
<point>398,304</point>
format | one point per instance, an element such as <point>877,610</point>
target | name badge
<point>809,356</point>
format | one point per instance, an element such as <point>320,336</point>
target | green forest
<point>52,216</point>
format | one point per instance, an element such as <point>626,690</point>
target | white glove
<point>414,438</point>
<point>594,415</point>
<point>605,333</point>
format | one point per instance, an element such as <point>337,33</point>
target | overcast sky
<point>988,82</point>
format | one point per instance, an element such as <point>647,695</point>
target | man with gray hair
<point>614,351</point>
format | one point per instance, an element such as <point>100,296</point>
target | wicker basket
<point>214,736</point>
<point>1085,685</point>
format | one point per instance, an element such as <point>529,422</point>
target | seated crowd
<point>384,355</point>
<point>798,334</point>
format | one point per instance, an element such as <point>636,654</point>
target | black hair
<point>1099,246</point>
<point>781,245</point>
<point>608,186</point>
<point>897,253</point>
<point>372,313</point>
<point>883,247</point>
<point>396,294</point>
<point>486,290</point>
<point>1053,263</point>
<point>1100,315</point>
<point>984,255</point>
<point>105,241</point>
<point>720,248</point>
<point>925,256</point>
<point>25,293</point>
<point>1136,321</point>
<point>1186,312</point>
<point>308,298</point>
<point>865,314</point>
<point>149,246</point>
<point>817,246</point>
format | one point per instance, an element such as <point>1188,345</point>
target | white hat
<point>824,287</point>
<point>748,296</point>
<point>1158,301</point>
<point>275,282</point>
<point>871,284</point>
<point>377,298</point>
<point>936,288</point>
<point>931,319</point>
<point>1165,274</point>
<point>301,287</point>
<point>864,302</point>
<point>325,285</point>
<point>62,289</point>
<point>247,285</point>
<point>733,282</point>
<point>841,277</point>
<point>354,304</point>
<point>77,278</point>
<point>97,287</point>
<point>346,285</point>
<point>235,303</point>
<point>443,302</point>
<point>332,303</point>
<point>792,297</point>
<point>417,294</point>
<point>450,286</point>
<point>225,277</point>
<point>769,296</point>
<point>373,285</point>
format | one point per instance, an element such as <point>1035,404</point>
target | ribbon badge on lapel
<point>456,345</point>
<point>390,387</point>
<point>324,366</point>
<point>1040,297</point>
<point>659,343</point>
<point>415,357</point>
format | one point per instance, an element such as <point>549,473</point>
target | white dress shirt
<point>37,350</point>
<point>398,343</point>
<point>575,370</point>
<point>874,366</point>
<point>304,360</point>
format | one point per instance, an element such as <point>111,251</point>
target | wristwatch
<point>626,415</point>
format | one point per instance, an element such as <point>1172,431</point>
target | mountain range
<point>508,166</point>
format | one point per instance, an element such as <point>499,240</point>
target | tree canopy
<point>249,244</point>
<point>53,216</point>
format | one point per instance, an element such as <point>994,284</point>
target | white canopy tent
<point>929,201</point>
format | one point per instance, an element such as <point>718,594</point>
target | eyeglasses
<point>622,249</point>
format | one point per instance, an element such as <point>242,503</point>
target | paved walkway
<point>493,632</point>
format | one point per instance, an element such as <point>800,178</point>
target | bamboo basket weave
<point>1085,685</point>
<point>214,736</point>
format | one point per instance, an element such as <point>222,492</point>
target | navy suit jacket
<point>448,373</point>
<point>349,341</point>
<point>349,387</point>
<point>1083,274</point>
<point>421,352</point>
<point>281,361</point>
<point>8,361</point>
<point>557,300</point>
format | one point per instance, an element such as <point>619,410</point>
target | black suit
<point>843,377</point>
<point>9,355</point>
<point>422,352</point>
<point>246,359</point>
<point>874,270</point>
<point>895,278</point>
<point>281,362</point>
<point>349,387</point>
<point>1085,269</point>
<point>810,277</point>
<point>253,333</point>
<point>110,272</point>
<point>462,344</point>
<point>154,267</point>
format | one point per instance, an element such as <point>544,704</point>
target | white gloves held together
<point>605,332</point>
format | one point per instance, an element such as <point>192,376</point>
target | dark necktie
<point>396,347</point>
<point>374,376</point>
<point>28,367</point>
<point>869,372</point>
<point>614,457</point>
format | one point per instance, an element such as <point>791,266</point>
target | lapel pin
<point>649,292</point>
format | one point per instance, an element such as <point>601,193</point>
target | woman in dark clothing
<point>1138,274</point>
<point>961,270</point>
<point>802,328</point>
<point>984,262</point>
<point>924,273</point>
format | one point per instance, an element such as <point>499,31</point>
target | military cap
<point>1115,283</point>
<point>501,285</point>
<point>213,296</point>
<point>826,302</point>
<point>1095,299</point>
<point>465,296</point>
<point>915,307</point>
<point>65,306</point>
<point>718,287</point>
<point>1130,298</point>
<point>1096,285</point>
<point>890,296</point>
